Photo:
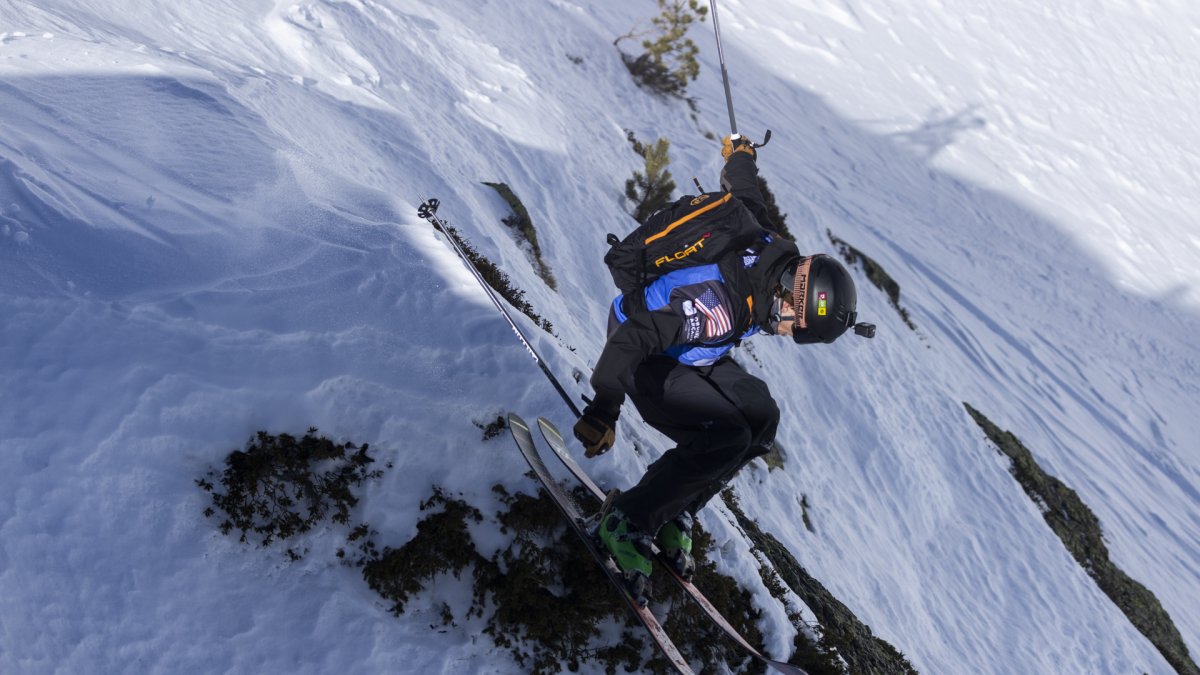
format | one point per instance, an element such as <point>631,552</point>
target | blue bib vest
<point>701,284</point>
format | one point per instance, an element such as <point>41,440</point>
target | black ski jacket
<point>748,278</point>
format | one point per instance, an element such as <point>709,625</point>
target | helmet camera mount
<point>866,330</point>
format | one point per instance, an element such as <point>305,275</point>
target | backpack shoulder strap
<point>693,208</point>
<point>740,288</point>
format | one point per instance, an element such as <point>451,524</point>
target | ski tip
<point>548,426</point>
<point>514,420</point>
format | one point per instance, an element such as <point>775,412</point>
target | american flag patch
<point>718,322</point>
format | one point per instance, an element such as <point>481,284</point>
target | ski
<point>524,439</point>
<point>555,439</point>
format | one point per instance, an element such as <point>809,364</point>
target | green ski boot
<point>675,540</point>
<point>630,548</point>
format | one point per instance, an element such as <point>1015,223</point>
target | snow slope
<point>207,227</point>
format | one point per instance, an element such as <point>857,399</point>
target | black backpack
<point>690,232</point>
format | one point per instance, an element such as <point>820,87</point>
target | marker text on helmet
<point>800,292</point>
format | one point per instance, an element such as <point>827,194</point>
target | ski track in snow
<point>207,228</point>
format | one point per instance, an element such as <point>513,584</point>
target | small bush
<point>668,61</point>
<point>281,486</point>
<point>652,190</point>
<point>842,637</point>
<point>442,544</point>
<point>875,273</point>
<point>1079,529</point>
<point>493,428</point>
<point>777,217</point>
<point>546,628</point>
<point>522,224</point>
<point>496,278</point>
<point>546,600</point>
<point>550,597</point>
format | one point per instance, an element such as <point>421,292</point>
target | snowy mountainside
<point>207,227</point>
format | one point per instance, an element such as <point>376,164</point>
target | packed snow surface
<point>208,227</point>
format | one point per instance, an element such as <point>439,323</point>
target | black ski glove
<point>596,429</point>
<point>730,145</point>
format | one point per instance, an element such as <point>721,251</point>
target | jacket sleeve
<point>740,177</point>
<point>639,338</point>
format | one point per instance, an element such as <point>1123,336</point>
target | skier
<point>671,357</point>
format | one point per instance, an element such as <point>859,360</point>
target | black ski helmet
<point>824,297</point>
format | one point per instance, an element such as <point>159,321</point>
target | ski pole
<point>725,78</point>
<point>724,71</point>
<point>428,211</point>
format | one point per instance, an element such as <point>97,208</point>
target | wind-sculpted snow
<point>207,228</point>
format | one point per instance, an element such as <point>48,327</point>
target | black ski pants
<point>720,418</point>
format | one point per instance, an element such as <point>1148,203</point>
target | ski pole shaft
<point>428,211</point>
<point>725,78</point>
<point>724,71</point>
